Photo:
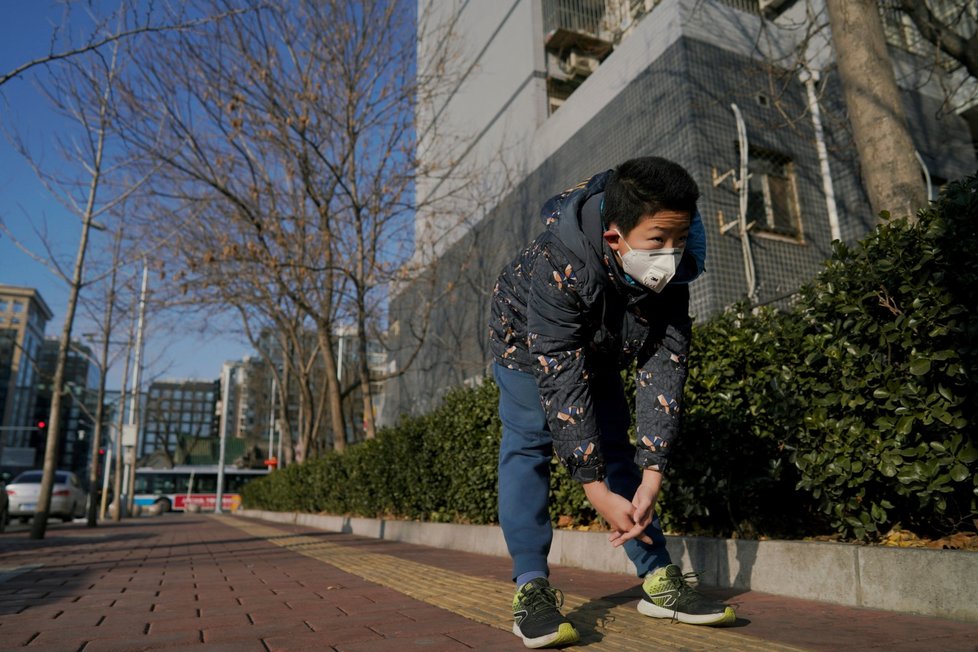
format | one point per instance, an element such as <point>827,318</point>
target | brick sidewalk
<point>182,580</point>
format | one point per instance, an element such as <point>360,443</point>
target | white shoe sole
<point>564,635</point>
<point>725,617</point>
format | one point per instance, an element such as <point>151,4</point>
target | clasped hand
<point>628,520</point>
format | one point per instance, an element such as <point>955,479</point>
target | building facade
<point>557,90</point>
<point>244,414</point>
<point>178,415</point>
<point>23,317</point>
<point>78,406</point>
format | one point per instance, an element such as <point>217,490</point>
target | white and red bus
<point>180,486</point>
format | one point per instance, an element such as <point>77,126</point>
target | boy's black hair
<point>646,185</point>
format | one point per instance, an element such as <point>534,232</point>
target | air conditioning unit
<point>581,65</point>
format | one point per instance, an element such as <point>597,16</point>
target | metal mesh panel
<point>582,16</point>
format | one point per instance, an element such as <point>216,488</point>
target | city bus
<point>180,486</point>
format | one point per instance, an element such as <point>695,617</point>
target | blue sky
<point>176,349</point>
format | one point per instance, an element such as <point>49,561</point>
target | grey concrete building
<point>552,91</point>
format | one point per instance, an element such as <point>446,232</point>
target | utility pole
<point>117,482</point>
<point>136,374</point>
<point>271,430</point>
<point>103,371</point>
<point>225,420</point>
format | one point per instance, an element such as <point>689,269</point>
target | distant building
<point>78,406</point>
<point>245,402</point>
<point>235,410</point>
<point>178,415</point>
<point>23,317</point>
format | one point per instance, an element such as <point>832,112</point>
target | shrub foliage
<point>850,411</point>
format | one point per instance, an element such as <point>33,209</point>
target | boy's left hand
<point>643,503</point>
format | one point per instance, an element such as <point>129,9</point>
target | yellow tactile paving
<point>603,625</point>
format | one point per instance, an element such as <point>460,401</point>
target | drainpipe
<point>923,166</point>
<point>742,186</point>
<point>809,77</point>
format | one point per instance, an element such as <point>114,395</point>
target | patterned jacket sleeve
<point>661,379</point>
<point>558,332</point>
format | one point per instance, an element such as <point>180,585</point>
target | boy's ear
<point>613,238</point>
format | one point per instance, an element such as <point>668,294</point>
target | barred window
<point>772,200</point>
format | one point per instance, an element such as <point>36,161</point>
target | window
<point>772,201</point>
<point>18,306</point>
<point>4,305</point>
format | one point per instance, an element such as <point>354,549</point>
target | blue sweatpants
<point>524,470</point>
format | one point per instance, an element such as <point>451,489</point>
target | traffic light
<point>41,425</point>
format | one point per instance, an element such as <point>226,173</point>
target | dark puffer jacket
<point>564,311</point>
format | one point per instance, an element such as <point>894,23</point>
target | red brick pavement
<point>180,580</point>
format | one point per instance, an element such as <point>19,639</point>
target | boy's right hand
<point>618,511</point>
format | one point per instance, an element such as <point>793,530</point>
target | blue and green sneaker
<point>667,594</point>
<point>537,618</point>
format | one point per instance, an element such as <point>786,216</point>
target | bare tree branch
<point>96,43</point>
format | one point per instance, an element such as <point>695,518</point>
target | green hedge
<point>850,411</point>
<point>889,335</point>
<point>439,467</point>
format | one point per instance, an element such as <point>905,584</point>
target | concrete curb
<point>919,581</point>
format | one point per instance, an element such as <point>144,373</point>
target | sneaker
<point>668,595</point>
<point>537,618</point>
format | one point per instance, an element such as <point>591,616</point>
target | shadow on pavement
<point>597,613</point>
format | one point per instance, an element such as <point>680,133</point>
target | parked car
<point>4,503</point>
<point>68,499</point>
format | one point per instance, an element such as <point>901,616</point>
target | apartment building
<point>548,92</point>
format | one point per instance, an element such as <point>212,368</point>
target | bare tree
<point>288,174</point>
<point>84,94</point>
<point>105,330</point>
<point>955,33</point>
<point>126,22</point>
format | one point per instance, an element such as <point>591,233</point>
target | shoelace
<point>680,583</point>
<point>683,580</point>
<point>542,596</point>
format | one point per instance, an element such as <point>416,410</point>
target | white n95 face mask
<point>653,268</point>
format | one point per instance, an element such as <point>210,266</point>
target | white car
<point>68,499</point>
<point>3,503</point>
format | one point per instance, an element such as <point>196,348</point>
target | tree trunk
<point>363,364</point>
<point>40,520</point>
<point>334,397</point>
<point>887,157</point>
